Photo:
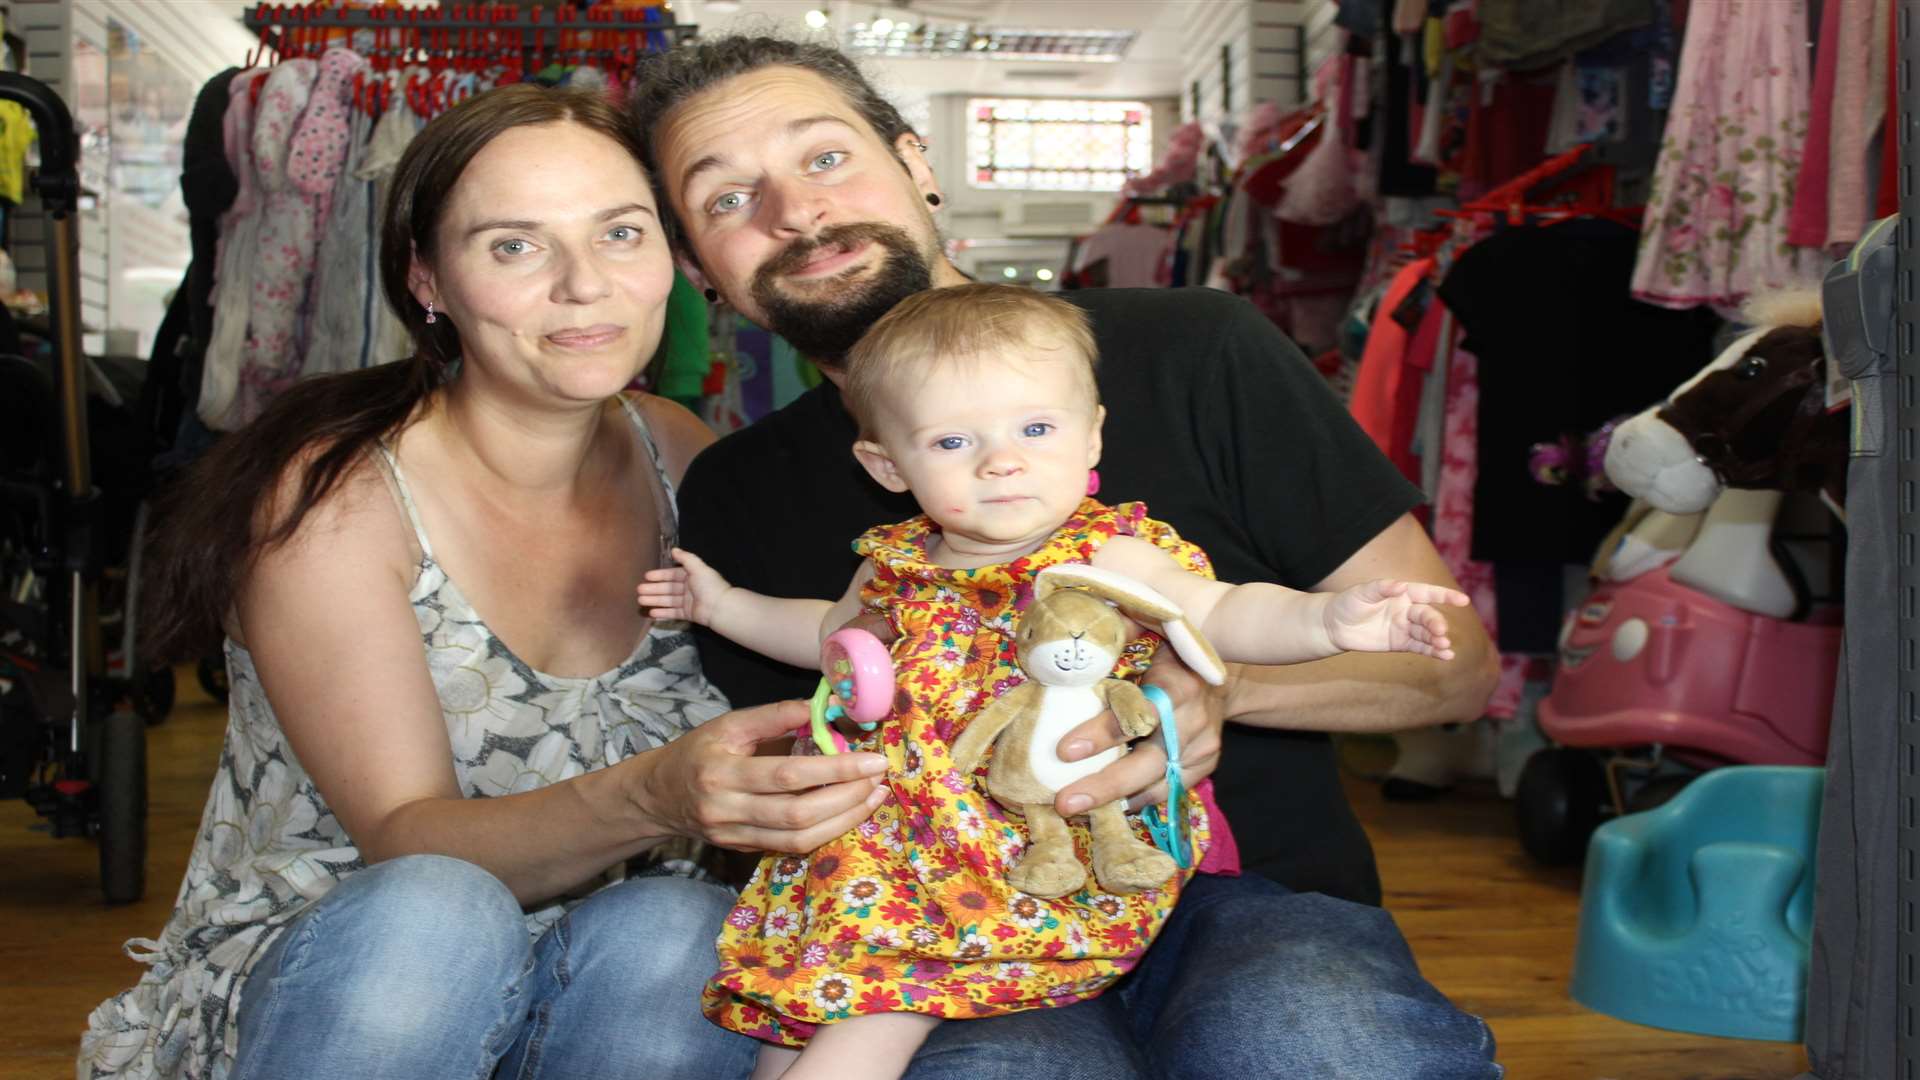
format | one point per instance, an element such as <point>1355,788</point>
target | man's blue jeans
<point>1247,981</point>
<point>421,967</point>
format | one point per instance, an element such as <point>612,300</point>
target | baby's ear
<point>879,464</point>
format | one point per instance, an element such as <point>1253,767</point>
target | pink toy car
<point>1651,663</point>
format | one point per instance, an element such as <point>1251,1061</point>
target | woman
<point>422,573</point>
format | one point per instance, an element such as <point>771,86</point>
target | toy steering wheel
<point>857,684</point>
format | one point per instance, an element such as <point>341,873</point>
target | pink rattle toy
<point>856,683</point>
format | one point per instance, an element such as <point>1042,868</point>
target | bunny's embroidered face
<point>1070,638</point>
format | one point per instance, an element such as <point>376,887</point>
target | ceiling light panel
<point>905,38</point>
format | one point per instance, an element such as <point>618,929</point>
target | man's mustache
<point>840,237</point>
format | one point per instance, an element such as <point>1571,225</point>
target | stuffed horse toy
<point>1714,458</point>
<point>1756,418</point>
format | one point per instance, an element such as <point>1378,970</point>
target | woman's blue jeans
<point>421,967</point>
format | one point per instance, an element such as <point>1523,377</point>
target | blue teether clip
<point>1170,832</point>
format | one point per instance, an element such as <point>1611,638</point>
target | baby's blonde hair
<point>960,323</point>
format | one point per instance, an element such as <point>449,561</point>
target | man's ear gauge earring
<point>933,199</point>
<point>712,297</point>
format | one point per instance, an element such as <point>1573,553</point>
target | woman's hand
<point>712,784</point>
<point>690,591</point>
<point>1140,777</point>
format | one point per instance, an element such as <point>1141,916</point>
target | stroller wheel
<point>1559,803</point>
<point>213,678</point>
<point>123,807</point>
<point>153,696</point>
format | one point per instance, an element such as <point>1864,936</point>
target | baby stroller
<point>72,733</point>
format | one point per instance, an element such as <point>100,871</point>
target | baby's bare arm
<point>1255,623</point>
<point>787,629</point>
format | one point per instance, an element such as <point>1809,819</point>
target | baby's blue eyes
<point>1038,429</point>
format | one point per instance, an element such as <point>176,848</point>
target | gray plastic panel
<point>1908,523</point>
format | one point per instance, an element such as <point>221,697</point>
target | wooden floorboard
<point>1489,928</point>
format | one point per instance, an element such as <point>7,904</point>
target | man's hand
<point>690,591</point>
<point>709,783</point>
<point>1140,777</point>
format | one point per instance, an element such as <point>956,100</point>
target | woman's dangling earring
<point>431,317</point>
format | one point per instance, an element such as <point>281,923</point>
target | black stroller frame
<point>70,740</point>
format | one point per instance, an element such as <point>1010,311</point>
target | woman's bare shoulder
<point>355,536</point>
<point>359,521</point>
<point>678,433</point>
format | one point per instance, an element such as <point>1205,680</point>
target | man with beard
<point>800,196</point>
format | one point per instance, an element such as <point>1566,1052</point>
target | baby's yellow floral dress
<point>911,910</point>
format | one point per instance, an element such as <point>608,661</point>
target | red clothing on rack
<point>1386,392</point>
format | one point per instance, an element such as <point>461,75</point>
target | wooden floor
<point>1489,928</point>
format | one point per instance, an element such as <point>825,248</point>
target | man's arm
<point>1376,691</point>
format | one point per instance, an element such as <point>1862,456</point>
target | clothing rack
<point>471,28</point>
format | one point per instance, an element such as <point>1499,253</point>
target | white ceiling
<point>1151,68</point>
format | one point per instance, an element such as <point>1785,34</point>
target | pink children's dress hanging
<point>1716,224</point>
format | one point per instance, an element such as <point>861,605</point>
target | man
<point>802,198</point>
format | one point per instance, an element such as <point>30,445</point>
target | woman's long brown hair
<point>211,524</point>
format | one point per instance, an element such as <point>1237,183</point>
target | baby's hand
<point>690,591</point>
<point>1392,616</point>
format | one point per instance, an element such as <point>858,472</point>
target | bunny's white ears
<point>1141,602</point>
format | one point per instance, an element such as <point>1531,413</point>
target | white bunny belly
<point>1063,708</point>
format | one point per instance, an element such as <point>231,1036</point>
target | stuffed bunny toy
<point>1067,644</point>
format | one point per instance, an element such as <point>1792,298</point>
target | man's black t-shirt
<point>1214,420</point>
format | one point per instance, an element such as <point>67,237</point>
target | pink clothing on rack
<point>315,160</point>
<point>1716,224</point>
<point>1320,191</point>
<point>1886,200</point>
<point>319,148</point>
<point>284,252</point>
<point>1121,256</point>
<point>1452,522</point>
<point>1808,225</point>
<point>1177,165</point>
<point>233,260</point>
<point>1409,16</point>
<point>1850,134</point>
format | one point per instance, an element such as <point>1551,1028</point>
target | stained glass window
<point>1057,144</point>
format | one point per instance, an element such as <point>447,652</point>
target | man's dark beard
<point>824,330</point>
